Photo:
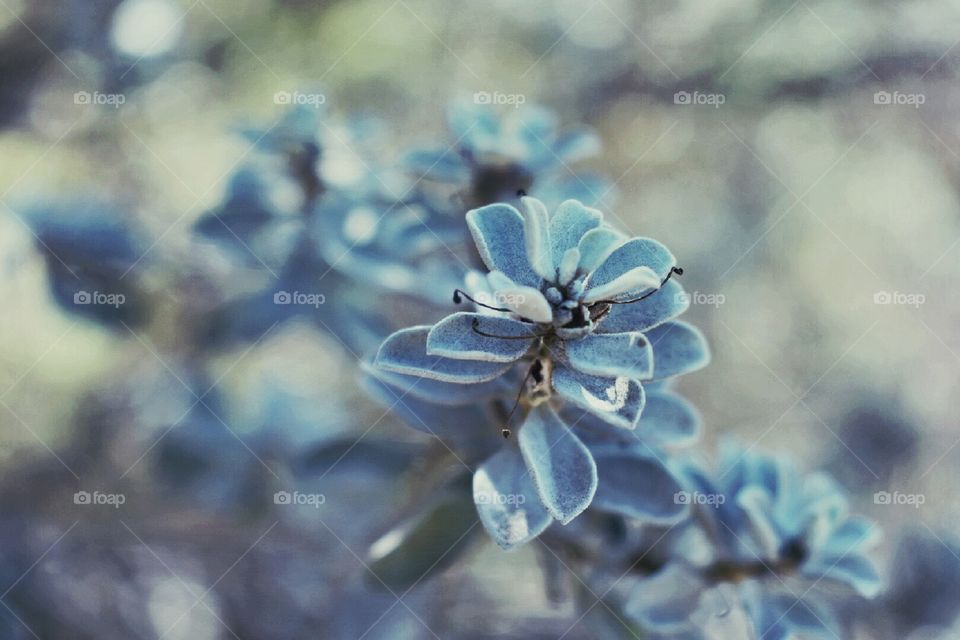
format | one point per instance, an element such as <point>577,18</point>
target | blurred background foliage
<point>791,205</point>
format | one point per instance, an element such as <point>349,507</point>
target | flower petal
<point>577,144</point>
<point>536,126</point>
<point>561,465</point>
<point>536,232</point>
<point>669,419</point>
<point>568,266</point>
<point>764,537</point>
<point>468,119</point>
<point>851,568</point>
<point>441,393</point>
<point>526,302</point>
<point>678,348</point>
<point>618,401</point>
<point>668,302</point>
<point>855,533</point>
<point>444,422</point>
<point>596,245</point>
<point>636,252</point>
<point>568,225</point>
<point>589,188</point>
<point>507,499</point>
<point>664,602</point>
<point>612,355</point>
<point>441,164</point>
<point>497,230</point>
<point>637,486</point>
<point>635,280</point>
<point>782,617</point>
<point>406,352</point>
<point>455,337</point>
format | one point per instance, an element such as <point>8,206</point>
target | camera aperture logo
<point>699,98</point>
<point>695,497</point>
<point>296,498</point>
<point>315,100</point>
<point>106,99</point>
<point>496,97</point>
<point>99,498</point>
<point>299,298</point>
<point>115,300</point>
<point>898,499</point>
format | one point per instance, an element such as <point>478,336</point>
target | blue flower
<point>586,316</point>
<point>925,572</point>
<point>395,246</point>
<point>493,158</point>
<point>296,212</point>
<point>760,523</point>
<point>94,256</point>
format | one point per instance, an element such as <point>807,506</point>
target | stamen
<point>459,294</point>
<point>521,193</point>
<point>673,270</point>
<point>475,325</point>
<point>505,432</point>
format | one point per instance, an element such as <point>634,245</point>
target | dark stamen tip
<point>678,271</point>
<point>521,193</point>
<point>456,297</point>
<point>505,433</point>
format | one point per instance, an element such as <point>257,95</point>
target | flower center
<point>569,311</point>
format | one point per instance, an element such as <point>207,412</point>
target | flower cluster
<point>512,320</point>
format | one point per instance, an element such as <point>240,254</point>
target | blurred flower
<point>94,256</point>
<point>925,572</point>
<point>493,158</point>
<point>760,523</point>
<point>885,442</point>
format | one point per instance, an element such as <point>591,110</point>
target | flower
<point>95,257</point>
<point>299,211</point>
<point>924,572</point>
<point>586,316</point>
<point>759,524</point>
<point>493,158</point>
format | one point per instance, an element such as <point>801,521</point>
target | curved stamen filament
<point>459,294</point>
<point>475,325</point>
<point>673,270</point>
